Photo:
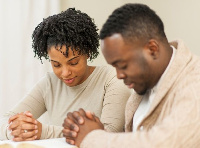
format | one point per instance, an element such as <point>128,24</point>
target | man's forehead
<point>111,48</point>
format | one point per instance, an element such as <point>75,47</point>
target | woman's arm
<point>32,102</point>
<point>113,112</point>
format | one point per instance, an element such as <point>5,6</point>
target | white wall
<point>19,69</point>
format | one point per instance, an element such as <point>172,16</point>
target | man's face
<point>72,70</point>
<point>131,61</point>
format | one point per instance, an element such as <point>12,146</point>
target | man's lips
<point>130,85</point>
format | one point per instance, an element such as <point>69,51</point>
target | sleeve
<point>113,111</point>
<point>180,128</point>
<point>51,131</point>
<point>33,102</point>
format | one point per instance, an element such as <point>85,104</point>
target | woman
<point>68,40</point>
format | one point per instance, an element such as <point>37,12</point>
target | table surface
<point>47,143</point>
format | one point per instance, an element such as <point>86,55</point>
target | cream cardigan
<point>173,120</point>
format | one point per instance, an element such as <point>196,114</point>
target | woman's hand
<point>24,127</point>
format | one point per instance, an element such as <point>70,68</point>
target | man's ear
<point>153,48</point>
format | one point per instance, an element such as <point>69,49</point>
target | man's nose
<point>120,74</point>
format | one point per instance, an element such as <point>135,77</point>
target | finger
<point>28,113</point>
<point>69,133</point>
<point>90,115</point>
<point>13,125</point>
<point>17,139</point>
<point>24,118</point>
<point>29,134</point>
<point>28,119</point>
<point>72,117</point>
<point>31,139</point>
<point>70,141</point>
<point>79,116</point>
<point>68,123</point>
<point>16,132</point>
<point>71,123</point>
<point>12,118</point>
<point>29,127</point>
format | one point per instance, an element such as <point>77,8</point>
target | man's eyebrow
<point>73,58</point>
<point>115,62</point>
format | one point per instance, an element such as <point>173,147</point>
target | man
<point>164,109</point>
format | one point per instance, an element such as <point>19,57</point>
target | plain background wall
<point>181,18</point>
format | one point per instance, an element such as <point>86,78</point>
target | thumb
<point>90,115</point>
<point>28,113</point>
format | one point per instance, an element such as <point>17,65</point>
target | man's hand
<point>78,124</point>
<point>24,127</point>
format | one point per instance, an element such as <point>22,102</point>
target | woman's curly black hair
<point>72,28</point>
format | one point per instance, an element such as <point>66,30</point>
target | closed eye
<point>57,65</point>
<point>74,63</point>
<point>124,67</point>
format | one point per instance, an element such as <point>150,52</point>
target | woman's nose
<point>66,72</point>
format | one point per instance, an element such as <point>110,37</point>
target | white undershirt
<point>148,98</point>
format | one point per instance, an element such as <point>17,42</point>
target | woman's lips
<point>69,81</point>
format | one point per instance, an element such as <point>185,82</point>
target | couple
<point>163,110</point>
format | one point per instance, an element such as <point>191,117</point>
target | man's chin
<point>140,92</point>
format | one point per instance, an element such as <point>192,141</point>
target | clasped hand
<point>78,124</point>
<point>24,127</point>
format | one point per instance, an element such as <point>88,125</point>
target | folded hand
<point>78,124</point>
<point>24,127</point>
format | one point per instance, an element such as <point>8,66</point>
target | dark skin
<point>78,124</point>
<point>139,63</point>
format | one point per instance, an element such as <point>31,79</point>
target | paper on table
<point>47,143</point>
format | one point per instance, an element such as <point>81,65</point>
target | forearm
<point>100,138</point>
<point>51,131</point>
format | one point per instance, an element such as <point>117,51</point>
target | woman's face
<point>72,70</point>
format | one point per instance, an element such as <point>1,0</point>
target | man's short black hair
<point>72,28</point>
<point>134,21</point>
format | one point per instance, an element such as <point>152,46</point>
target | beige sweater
<point>173,120</point>
<point>102,93</point>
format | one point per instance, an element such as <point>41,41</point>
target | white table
<point>47,143</point>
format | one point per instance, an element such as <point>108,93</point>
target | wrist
<point>39,125</point>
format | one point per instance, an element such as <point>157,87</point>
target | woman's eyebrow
<point>73,58</point>
<point>54,61</point>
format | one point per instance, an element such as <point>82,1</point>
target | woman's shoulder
<point>106,69</point>
<point>49,77</point>
<point>105,73</point>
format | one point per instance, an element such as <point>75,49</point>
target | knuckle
<point>75,113</point>
<point>23,126</point>
<point>69,114</point>
<point>72,126</point>
<point>68,121</point>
